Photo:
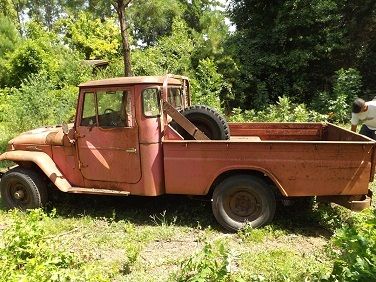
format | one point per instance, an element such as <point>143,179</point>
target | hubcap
<point>244,204</point>
<point>19,194</point>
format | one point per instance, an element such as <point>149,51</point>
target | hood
<point>41,136</point>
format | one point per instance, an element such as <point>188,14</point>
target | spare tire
<point>208,120</point>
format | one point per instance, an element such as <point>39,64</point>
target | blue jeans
<point>364,130</point>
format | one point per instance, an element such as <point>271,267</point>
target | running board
<point>95,191</point>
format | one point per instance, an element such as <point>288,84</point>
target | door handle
<point>131,150</point>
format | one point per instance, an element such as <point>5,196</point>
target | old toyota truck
<point>141,136</point>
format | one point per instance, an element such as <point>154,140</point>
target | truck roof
<point>130,80</point>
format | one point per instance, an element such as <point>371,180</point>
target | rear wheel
<point>208,120</point>
<point>243,199</point>
<point>23,188</point>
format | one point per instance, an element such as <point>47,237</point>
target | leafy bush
<point>28,58</point>
<point>337,104</point>
<point>283,111</point>
<point>355,249</point>
<point>37,103</point>
<point>207,85</point>
<point>26,254</point>
<point>171,54</point>
<point>348,83</point>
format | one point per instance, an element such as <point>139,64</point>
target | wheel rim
<point>243,206</point>
<point>18,194</point>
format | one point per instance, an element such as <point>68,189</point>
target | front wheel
<point>243,199</point>
<point>23,188</point>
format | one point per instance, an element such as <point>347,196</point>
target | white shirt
<point>368,117</point>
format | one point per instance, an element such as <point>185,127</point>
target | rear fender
<point>247,170</point>
<point>44,162</point>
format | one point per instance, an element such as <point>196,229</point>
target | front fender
<point>44,162</point>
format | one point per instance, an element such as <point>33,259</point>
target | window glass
<point>150,100</point>
<point>174,97</point>
<point>88,113</point>
<point>111,108</point>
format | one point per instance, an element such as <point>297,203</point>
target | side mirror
<point>65,128</point>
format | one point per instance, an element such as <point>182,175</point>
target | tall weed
<point>213,263</point>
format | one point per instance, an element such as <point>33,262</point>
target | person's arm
<point>354,122</point>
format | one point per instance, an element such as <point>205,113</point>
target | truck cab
<point>114,145</point>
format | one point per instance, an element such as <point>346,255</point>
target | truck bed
<point>302,159</point>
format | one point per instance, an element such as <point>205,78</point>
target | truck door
<point>107,136</point>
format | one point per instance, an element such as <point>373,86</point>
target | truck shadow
<point>182,211</point>
<point>178,210</point>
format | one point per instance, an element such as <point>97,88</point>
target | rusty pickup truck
<point>141,136</point>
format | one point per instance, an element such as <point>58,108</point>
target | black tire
<point>208,120</point>
<point>23,189</point>
<point>243,199</point>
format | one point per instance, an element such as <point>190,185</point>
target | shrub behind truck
<point>141,136</point>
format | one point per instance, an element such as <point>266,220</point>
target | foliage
<point>30,57</point>
<point>349,83</point>
<point>95,38</point>
<point>9,35</point>
<point>171,54</point>
<point>194,11</point>
<point>38,103</point>
<point>42,54</point>
<point>293,49</point>
<point>355,249</point>
<point>28,256</point>
<point>207,85</point>
<point>283,111</point>
<point>44,11</point>
<point>346,88</point>
<point>213,263</point>
<point>152,19</point>
<point>337,104</point>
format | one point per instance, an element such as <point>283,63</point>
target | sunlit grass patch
<point>281,264</point>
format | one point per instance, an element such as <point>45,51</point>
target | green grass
<point>156,239</point>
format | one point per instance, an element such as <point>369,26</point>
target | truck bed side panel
<point>298,168</point>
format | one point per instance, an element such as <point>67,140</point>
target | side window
<point>174,97</point>
<point>150,100</point>
<point>88,114</point>
<point>112,108</point>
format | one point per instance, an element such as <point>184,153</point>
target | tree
<point>14,10</point>
<point>95,38</point>
<point>153,19</point>
<point>8,35</point>
<point>120,6</point>
<point>294,48</point>
<point>194,10</point>
<point>45,11</point>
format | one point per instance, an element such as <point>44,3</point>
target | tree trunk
<point>120,9</point>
